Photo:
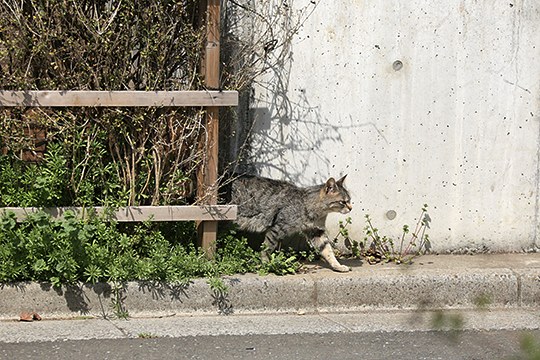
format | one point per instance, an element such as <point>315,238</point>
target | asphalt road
<point>497,344</point>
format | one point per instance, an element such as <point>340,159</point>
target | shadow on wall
<point>283,134</point>
<point>275,130</point>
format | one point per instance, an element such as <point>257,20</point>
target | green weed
<point>376,248</point>
<point>281,263</point>
<point>91,250</point>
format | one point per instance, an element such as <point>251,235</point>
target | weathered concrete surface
<point>432,282</point>
<point>419,102</point>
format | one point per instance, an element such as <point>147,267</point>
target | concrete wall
<point>418,101</point>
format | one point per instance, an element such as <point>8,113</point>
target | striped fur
<point>279,209</point>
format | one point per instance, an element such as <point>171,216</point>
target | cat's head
<point>335,196</point>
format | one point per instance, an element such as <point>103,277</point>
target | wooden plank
<point>207,176</point>
<point>51,98</point>
<point>212,51</point>
<point>213,213</point>
<point>207,231</point>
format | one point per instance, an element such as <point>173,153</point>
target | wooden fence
<point>208,215</point>
<point>204,214</point>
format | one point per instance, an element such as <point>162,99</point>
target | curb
<point>432,282</point>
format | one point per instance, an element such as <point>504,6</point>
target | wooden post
<point>207,176</point>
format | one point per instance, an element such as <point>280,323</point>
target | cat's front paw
<point>341,268</point>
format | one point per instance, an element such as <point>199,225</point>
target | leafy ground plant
<point>70,249</point>
<point>281,263</point>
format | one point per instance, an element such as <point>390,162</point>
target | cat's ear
<point>340,181</point>
<point>330,185</point>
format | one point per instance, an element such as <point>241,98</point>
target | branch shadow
<point>76,296</point>
<point>160,290</point>
<point>279,130</point>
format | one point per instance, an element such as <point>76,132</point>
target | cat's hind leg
<point>322,244</point>
<point>271,241</point>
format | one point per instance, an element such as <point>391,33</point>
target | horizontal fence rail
<point>60,98</point>
<point>135,213</point>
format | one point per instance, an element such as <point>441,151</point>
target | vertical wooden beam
<point>207,176</point>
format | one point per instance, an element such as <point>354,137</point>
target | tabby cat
<point>278,209</point>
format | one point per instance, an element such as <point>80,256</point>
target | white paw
<point>341,268</point>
